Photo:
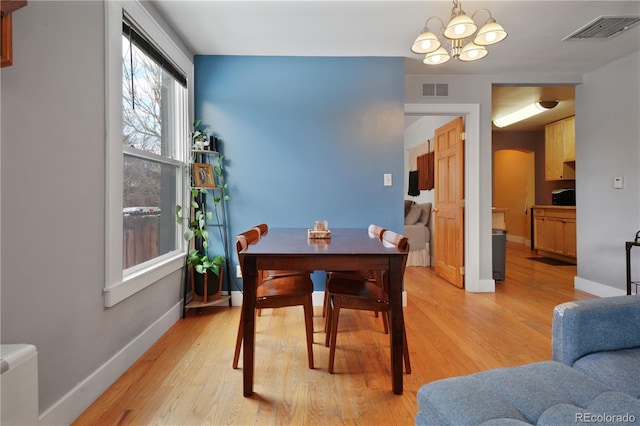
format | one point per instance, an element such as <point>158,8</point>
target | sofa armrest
<point>595,325</point>
<point>418,236</point>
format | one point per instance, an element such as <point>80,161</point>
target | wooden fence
<point>140,238</point>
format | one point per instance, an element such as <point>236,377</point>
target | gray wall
<point>53,201</point>
<point>607,126</point>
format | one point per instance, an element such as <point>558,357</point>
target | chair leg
<point>405,347</point>
<point>326,300</point>
<point>405,350</point>
<point>327,322</point>
<point>385,323</point>
<point>308,320</point>
<point>236,355</point>
<point>334,331</point>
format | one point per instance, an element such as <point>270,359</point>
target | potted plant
<point>199,137</point>
<point>206,271</point>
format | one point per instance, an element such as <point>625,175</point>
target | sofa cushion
<point>442,402</point>
<point>547,392</point>
<point>618,369</point>
<point>425,216</point>
<point>607,408</point>
<point>413,216</point>
<point>407,206</point>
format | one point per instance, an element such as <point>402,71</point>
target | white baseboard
<point>78,399</point>
<point>518,239</point>
<point>597,289</point>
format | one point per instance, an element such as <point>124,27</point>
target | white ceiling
<point>388,28</point>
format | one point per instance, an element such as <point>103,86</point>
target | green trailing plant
<point>197,230</point>
<point>199,135</point>
<point>197,225</point>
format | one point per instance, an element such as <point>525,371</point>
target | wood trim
<point>7,7</point>
<point>6,49</point>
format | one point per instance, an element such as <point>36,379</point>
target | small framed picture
<point>203,175</point>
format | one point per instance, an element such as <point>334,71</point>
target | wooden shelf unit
<point>194,303</point>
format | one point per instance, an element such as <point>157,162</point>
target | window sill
<point>142,278</point>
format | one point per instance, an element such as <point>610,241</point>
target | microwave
<point>563,197</point>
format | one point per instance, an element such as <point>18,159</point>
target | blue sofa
<point>594,376</point>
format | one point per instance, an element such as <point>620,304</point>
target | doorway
<point>477,247</point>
<point>514,191</point>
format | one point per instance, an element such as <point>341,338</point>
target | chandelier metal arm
<point>426,24</point>
<point>482,10</point>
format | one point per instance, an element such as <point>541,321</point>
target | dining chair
<point>277,289</point>
<point>375,231</point>
<point>364,294</point>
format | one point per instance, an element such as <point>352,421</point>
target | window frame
<point>119,285</point>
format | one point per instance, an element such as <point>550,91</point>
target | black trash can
<point>499,252</point>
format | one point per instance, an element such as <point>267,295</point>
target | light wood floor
<point>186,377</point>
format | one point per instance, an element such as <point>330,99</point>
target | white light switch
<point>618,182</point>
<point>388,180</point>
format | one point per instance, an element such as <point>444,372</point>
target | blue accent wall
<point>306,138</point>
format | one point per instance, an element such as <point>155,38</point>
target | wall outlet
<point>388,179</point>
<point>238,271</point>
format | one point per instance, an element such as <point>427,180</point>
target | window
<point>147,116</point>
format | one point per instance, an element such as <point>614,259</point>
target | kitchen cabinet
<point>554,229</point>
<point>560,151</point>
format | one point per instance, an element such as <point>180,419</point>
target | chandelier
<point>455,34</point>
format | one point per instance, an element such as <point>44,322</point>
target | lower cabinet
<point>555,230</point>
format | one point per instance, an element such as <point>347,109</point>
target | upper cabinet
<point>7,7</point>
<point>560,150</point>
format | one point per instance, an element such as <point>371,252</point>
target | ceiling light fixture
<point>453,35</point>
<point>524,113</point>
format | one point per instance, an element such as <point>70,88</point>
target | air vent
<point>435,89</point>
<point>604,27</point>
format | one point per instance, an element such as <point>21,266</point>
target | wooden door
<point>449,202</point>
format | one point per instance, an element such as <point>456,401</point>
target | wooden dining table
<point>348,249</point>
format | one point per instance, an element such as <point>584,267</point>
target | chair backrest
<point>376,231</point>
<point>263,229</point>
<point>393,239</point>
<point>244,240</point>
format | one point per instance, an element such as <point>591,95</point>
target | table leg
<point>396,322</point>
<point>249,322</point>
<point>628,246</point>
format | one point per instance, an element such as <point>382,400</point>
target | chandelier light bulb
<point>490,33</point>
<point>425,42</point>
<point>472,52</point>
<point>460,27</point>
<point>437,57</point>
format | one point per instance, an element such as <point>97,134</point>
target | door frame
<point>471,115</point>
